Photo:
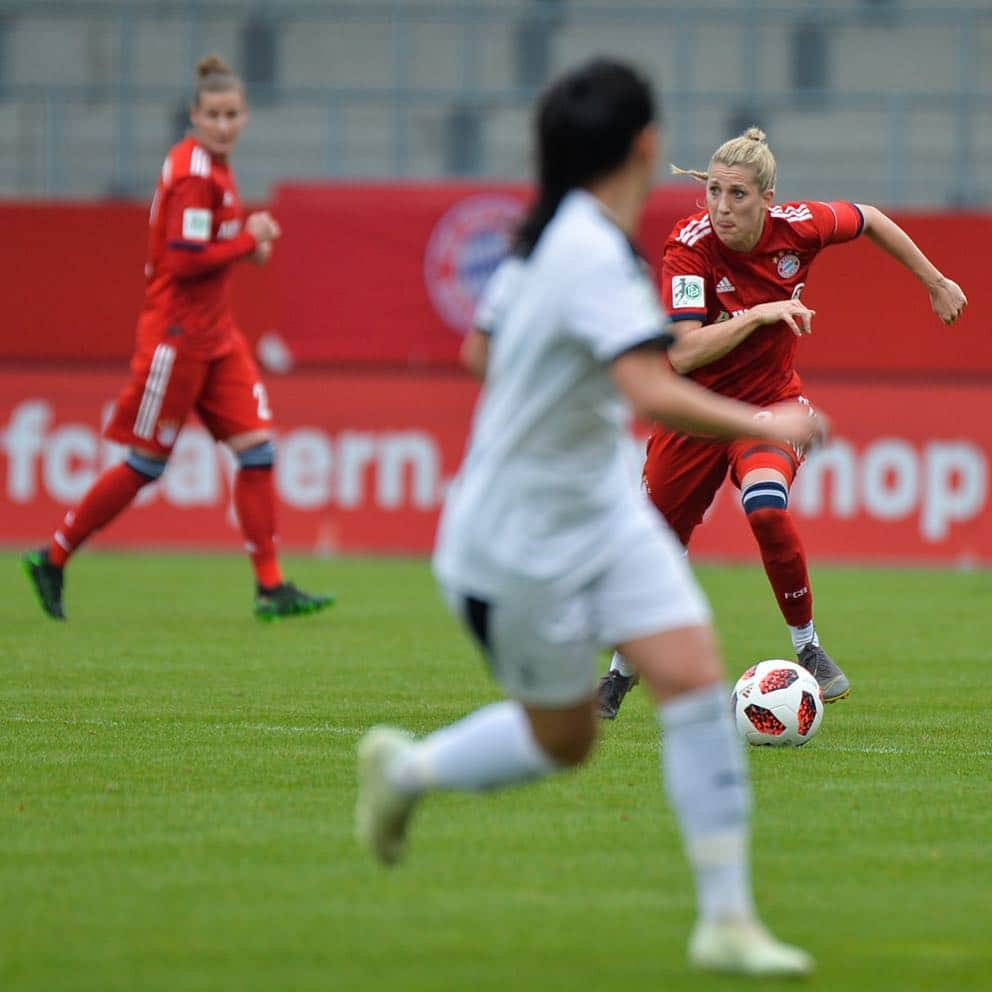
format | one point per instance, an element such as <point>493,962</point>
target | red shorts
<point>168,383</point>
<point>682,474</point>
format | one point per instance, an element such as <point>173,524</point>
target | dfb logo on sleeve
<point>687,292</point>
<point>196,224</point>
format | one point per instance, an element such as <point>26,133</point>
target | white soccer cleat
<point>745,947</point>
<point>381,810</point>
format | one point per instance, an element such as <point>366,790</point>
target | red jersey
<point>195,234</point>
<point>704,280</point>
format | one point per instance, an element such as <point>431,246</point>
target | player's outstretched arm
<point>946,296</point>
<point>656,393</point>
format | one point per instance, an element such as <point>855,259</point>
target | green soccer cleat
<point>285,600</point>
<point>47,579</point>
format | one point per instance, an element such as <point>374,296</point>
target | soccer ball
<point>777,703</point>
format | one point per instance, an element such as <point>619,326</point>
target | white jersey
<point>545,493</point>
<point>499,292</point>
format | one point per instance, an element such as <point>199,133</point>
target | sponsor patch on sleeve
<point>196,224</point>
<point>687,293</point>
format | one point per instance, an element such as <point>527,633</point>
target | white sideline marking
<point>869,749</point>
<point>265,728</point>
<point>886,749</point>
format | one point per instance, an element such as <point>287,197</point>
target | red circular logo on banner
<point>467,243</point>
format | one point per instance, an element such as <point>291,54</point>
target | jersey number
<point>262,399</point>
<point>798,291</point>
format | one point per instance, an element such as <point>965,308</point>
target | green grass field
<point>177,788</point>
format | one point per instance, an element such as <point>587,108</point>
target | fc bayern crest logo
<point>467,243</point>
<point>788,265</point>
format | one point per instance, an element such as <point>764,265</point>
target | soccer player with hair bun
<point>732,278</point>
<point>190,355</point>
<point>547,549</point>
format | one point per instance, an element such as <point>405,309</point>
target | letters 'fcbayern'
<point>705,280</point>
<point>195,231</point>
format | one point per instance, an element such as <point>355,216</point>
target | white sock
<point>801,636</point>
<point>491,747</point>
<point>621,665</point>
<point>707,782</point>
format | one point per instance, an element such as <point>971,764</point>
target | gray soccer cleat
<point>834,684</point>
<point>612,688</point>
<point>745,947</point>
<point>382,812</point>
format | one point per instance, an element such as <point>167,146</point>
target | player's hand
<point>947,300</point>
<point>262,253</point>
<point>794,423</point>
<point>799,318</point>
<point>262,226</point>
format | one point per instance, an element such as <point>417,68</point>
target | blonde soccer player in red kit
<point>732,279</point>
<point>190,355</point>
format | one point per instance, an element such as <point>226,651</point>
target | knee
<point>766,505</point>
<point>676,661</point>
<point>148,468</point>
<point>261,455</point>
<point>764,500</point>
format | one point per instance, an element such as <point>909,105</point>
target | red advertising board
<point>391,273</point>
<point>387,275</point>
<point>364,460</point>
<point>872,315</point>
<point>73,280</point>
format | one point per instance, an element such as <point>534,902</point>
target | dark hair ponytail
<point>586,124</point>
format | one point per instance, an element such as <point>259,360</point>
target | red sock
<point>110,494</point>
<point>785,563</point>
<point>255,503</point>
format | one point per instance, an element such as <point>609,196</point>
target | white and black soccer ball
<point>777,703</point>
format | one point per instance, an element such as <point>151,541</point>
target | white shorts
<point>543,646</point>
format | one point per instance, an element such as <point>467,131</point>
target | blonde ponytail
<point>750,149</point>
<point>695,173</point>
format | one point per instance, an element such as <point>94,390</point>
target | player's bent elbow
<point>181,272</point>
<point>474,353</point>
<point>871,217</point>
<point>679,361</point>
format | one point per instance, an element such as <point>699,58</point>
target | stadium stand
<point>92,91</point>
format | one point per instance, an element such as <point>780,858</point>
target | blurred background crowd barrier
<point>888,100</point>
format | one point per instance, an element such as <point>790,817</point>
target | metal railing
<point>102,131</point>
